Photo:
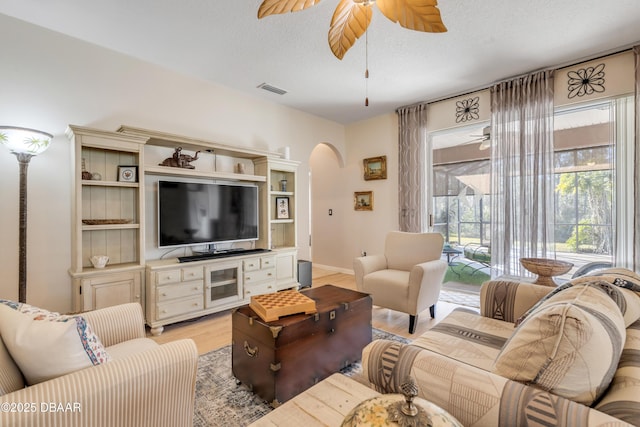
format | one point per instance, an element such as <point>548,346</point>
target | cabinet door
<point>109,290</point>
<point>286,264</point>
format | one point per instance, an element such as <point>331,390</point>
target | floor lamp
<point>24,143</point>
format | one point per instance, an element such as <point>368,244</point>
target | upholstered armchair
<point>408,277</point>
<point>143,384</point>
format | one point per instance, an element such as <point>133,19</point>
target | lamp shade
<point>24,141</point>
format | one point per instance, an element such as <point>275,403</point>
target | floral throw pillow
<point>46,345</point>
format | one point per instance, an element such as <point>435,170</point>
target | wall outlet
<point>363,253</point>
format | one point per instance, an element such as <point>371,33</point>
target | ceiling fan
<point>352,17</point>
<point>484,139</point>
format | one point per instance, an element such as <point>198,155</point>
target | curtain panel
<point>412,152</point>
<point>522,175</point>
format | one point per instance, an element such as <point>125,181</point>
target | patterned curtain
<point>412,153</point>
<point>636,175</point>
<point>522,180</point>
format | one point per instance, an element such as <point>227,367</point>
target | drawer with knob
<point>259,276</point>
<point>179,307</point>
<point>259,289</point>
<point>179,290</point>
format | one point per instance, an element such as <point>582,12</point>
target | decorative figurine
<point>179,160</point>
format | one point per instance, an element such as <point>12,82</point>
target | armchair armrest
<point>117,324</point>
<point>367,264</point>
<point>475,397</point>
<point>150,388</point>
<point>508,300</point>
<point>425,282</point>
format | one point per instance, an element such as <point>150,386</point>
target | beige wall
<point>50,81</point>
<point>337,239</point>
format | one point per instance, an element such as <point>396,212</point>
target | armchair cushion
<point>388,288</point>
<point>570,345</point>
<point>404,250</point>
<point>46,345</point>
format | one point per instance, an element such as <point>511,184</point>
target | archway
<point>326,183</point>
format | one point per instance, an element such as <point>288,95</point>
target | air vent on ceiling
<point>267,86</point>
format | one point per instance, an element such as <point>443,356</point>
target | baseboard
<point>332,268</point>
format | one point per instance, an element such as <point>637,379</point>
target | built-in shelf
<point>98,183</point>
<point>110,227</point>
<point>282,221</point>
<point>191,173</point>
<point>282,193</point>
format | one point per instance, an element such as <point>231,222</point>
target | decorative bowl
<point>545,269</point>
<point>99,261</point>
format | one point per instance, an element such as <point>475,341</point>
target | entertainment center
<point>232,214</point>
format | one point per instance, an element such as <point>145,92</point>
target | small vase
<point>283,185</point>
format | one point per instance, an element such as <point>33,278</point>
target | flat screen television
<point>205,213</point>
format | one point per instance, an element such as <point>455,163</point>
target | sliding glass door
<point>593,172</point>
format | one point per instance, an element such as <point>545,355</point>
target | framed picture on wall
<point>375,168</point>
<point>282,208</point>
<point>363,200</point>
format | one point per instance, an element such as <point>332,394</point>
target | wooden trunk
<point>280,359</point>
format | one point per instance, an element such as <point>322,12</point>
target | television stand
<point>178,291</point>
<point>220,254</point>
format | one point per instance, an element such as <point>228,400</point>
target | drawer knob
<point>270,274</point>
<point>195,288</point>
<point>164,294</point>
<point>164,311</point>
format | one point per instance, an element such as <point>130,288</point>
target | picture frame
<point>282,208</point>
<point>375,168</point>
<point>128,173</point>
<point>363,200</point>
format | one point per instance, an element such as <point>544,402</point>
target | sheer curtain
<point>413,165</point>
<point>522,180</point>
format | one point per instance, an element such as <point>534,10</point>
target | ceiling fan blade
<point>419,15</point>
<point>350,21</point>
<point>275,7</point>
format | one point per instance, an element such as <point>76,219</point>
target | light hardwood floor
<point>214,331</point>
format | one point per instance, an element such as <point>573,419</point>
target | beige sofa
<point>144,384</point>
<point>456,364</point>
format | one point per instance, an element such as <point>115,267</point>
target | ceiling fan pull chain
<point>366,71</point>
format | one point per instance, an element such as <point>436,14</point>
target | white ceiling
<point>224,42</point>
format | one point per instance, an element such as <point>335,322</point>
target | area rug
<point>222,402</point>
<point>467,299</point>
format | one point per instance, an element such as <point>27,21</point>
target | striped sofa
<point>475,367</point>
<point>144,384</point>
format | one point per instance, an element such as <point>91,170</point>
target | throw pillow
<point>622,277</point>
<point>570,346</point>
<point>626,292</point>
<point>46,345</point>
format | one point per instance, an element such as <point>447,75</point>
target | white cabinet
<point>286,268</point>
<point>97,291</point>
<point>177,292</point>
<point>107,217</point>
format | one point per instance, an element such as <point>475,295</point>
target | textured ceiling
<point>224,42</point>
